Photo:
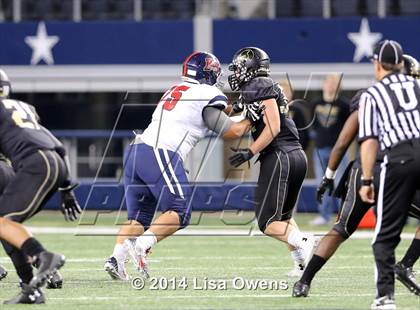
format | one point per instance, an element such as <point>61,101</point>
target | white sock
<point>146,241</point>
<point>119,252</point>
<point>295,238</point>
<point>297,256</point>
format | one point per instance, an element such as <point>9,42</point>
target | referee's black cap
<point>389,52</point>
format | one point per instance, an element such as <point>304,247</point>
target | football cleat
<point>116,269</point>
<point>3,273</point>
<point>48,263</point>
<point>138,257</point>
<point>56,281</point>
<point>297,271</point>
<point>27,295</point>
<point>407,277</point>
<point>383,303</point>
<point>300,289</point>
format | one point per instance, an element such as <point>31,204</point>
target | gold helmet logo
<point>247,54</point>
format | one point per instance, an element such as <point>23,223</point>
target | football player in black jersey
<point>41,168</point>
<point>276,139</point>
<point>6,175</point>
<point>353,208</point>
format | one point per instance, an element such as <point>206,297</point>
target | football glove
<point>238,106</point>
<point>253,111</point>
<point>326,184</point>
<point>69,205</point>
<point>240,156</point>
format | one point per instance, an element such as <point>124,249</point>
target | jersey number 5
<point>172,97</point>
<point>21,114</point>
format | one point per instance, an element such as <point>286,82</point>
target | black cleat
<point>28,295</point>
<point>48,263</point>
<point>300,289</point>
<point>406,276</point>
<point>3,273</point>
<point>56,281</point>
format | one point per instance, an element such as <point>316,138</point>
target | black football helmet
<point>411,66</point>
<point>248,63</point>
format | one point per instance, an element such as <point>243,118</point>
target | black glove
<point>254,111</point>
<point>240,156</point>
<point>238,106</point>
<point>326,184</point>
<point>69,205</point>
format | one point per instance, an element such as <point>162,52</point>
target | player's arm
<point>217,121</point>
<point>368,138</point>
<point>347,134</point>
<point>272,129</point>
<point>69,205</point>
<point>272,126</point>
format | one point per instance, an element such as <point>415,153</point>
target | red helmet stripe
<point>184,72</point>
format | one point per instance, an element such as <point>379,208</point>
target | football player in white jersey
<point>153,164</point>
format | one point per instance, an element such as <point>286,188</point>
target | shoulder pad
<point>260,88</point>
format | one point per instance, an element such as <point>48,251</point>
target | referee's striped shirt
<point>390,111</point>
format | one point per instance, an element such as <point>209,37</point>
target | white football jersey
<point>177,123</point>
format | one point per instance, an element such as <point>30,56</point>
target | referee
<point>389,118</point>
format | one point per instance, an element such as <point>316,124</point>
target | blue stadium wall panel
<point>206,197</point>
<point>303,40</point>
<point>309,40</point>
<point>148,42</point>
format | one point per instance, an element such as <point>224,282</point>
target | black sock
<point>314,265</point>
<point>25,273</point>
<point>32,247</point>
<point>412,254</point>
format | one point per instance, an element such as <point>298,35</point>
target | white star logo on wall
<point>364,40</point>
<point>42,45</point>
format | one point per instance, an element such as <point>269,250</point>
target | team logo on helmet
<point>212,65</point>
<point>249,54</point>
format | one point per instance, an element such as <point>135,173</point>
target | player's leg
<point>140,211</point>
<point>351,213</point>
<point>404,268</point>
<point>18,237</point>
<point>396,192</point>
<point>276,197</point>
<point>6,174</point>
<point>37,177</point>
<point>167,180</point>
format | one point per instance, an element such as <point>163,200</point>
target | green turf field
<point>345,283</point>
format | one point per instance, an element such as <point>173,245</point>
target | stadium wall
<point>145,56</point>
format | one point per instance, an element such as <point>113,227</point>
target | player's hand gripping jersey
<point>177,122</point>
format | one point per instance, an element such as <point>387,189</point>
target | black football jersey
<point>263,88</point>
<point>20,132</point>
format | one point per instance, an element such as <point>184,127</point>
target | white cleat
<point>297,271</point>
<point>138,257</point>
<point>116,269</point>
<point>383,303</point>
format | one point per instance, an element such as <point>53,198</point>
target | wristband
<point>330,174</point>
<point>366,182</point>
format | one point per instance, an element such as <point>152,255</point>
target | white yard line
<point>85,230</point>
<point>214,296</point>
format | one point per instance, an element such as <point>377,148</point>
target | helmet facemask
<point>241,74</point>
